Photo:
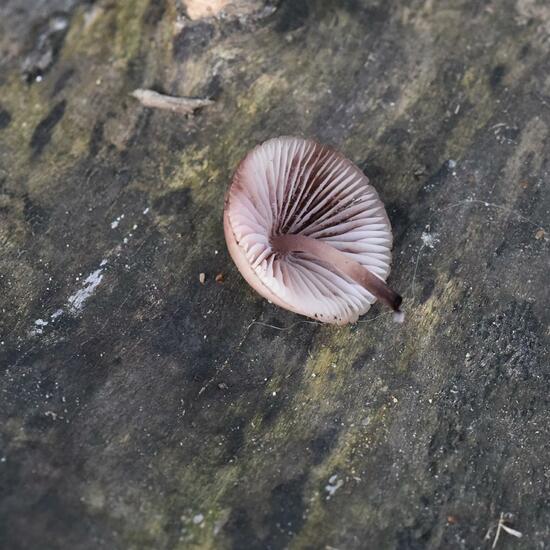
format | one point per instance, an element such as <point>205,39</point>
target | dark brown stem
<point>328,254</point>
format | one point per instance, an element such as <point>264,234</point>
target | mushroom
<point>308,232</point>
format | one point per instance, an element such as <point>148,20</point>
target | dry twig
<point>501,526</point>
<point>181,105</point>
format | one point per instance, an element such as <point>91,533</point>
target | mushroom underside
<point>323,252</point>
<point>308,232</point>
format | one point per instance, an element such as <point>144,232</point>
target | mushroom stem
<point>323,252</point>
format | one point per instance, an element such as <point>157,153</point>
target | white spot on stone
<point>115,222</point>
<point>77,300</point>
<point>429,239</point>
<point>198,519</point>
<point>451,163</point>
<point>59,23</point>
<point>57,313</point>
<point>398,317</point>
<point>333,485</point>
<point>39,327</point>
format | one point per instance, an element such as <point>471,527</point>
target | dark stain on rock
<point>43,132</point>
<point>416,537</point>
<point>5,118</point>
<point>137,145</point>
<point>272,409</point>
<point>376,13</point>
<point>173,203</point>
<point>235,438</point>
<point>287,510</point>
<point>525,51</point>
<point>390,95</point>
<point>169,327</point>
<point>154,12</point>
<point>62,81</point>
<point>400,220</point>
<point>39,422</point>
<point>192,40</point>
<point>427,290</point>
<point>373,171</point>
<point>96,138</point>
<point>497,74</point>
<point>34,214</point>
<point>323,444</point>
<point>214,88</point>
<point>435,181</point>
<point>134,71</point>
<point>361,361</point>
<point>397,137</point>
<point>352,6</point>
<point>9,354</point>
<point>501,248</point>
<point>203,371</point>
<point>241,531</point>
<point>292,15</point>
<point>510,134</point>
<point>94,367</point>
<point>455,267</point>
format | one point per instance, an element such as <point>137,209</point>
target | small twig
<point>512,532</point>
<point>497,535</point>
<point>181,105</point>
<point>386,314</point>
<point>284,329</point>
<point>502,526</point>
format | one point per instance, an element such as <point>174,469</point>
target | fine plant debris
<point>180,105</point>
<point>501,526</point>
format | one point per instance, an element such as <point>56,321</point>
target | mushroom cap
<point>291,185</point>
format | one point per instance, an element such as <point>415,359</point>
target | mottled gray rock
<point>143,409</point>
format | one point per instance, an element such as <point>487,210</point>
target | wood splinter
<point>181,105</point>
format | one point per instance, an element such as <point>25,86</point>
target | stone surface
<point>142,409</point>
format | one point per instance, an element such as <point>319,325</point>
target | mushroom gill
<point>308,232</point>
